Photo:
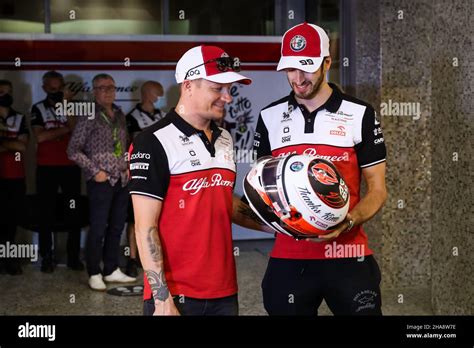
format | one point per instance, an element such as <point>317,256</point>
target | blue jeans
<point>193,306</point>
<point>107,213</point>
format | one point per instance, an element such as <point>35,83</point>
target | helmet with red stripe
<point>298,195</point>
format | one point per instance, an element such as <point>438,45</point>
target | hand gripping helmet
<point>297,195</point>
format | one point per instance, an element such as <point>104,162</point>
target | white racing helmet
<point>297,195</point>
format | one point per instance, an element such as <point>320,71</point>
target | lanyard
<point>118,149</point>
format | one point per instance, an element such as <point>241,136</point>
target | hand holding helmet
<point>298,195</point>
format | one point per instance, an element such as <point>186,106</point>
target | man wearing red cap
<point>182,177</point>
<point>319,120</point>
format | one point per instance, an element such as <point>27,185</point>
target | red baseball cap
<point>304,47</point>
<point>201,62</point>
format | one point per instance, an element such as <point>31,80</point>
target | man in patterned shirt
<point>98,146</point>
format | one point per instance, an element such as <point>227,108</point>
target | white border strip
<point>120,63</point>
<point>373,163</point>
<point>145,194</point>
<point>136,38</point>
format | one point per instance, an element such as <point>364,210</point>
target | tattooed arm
<point>244,216</point>
<point>147,212</point>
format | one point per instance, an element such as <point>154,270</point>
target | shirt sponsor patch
<point>139,165</point>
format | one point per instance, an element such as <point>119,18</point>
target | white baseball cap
<point>304,47</point>
<point>210,63</point>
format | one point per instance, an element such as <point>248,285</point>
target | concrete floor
<point>65,292</point>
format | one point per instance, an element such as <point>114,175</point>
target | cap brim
<point>294,62</point>
<point>229,77</point>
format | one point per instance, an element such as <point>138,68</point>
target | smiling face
<point>209,98</point>
<point>307,85</point>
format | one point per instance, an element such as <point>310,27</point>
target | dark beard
<point>315,90</point>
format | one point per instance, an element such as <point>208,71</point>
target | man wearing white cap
<point>182,178</point>
<point>319,120</point>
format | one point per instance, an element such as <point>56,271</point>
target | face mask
<point>56,97</point>
<point>160,103</point>
<point>6,100</point>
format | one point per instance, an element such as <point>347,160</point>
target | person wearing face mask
<point>54,169</point>
<point>13,140</point>
<point>143,115</point>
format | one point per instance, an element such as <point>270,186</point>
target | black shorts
<point>297,287</point>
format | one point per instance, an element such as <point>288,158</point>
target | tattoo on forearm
<point>158,285</point>
<point>246,211</point>
<point>154,245</point>
<point>157,280</point>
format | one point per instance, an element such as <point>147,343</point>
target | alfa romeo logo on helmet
<point>298,43</point>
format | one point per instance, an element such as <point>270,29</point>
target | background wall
<point>421,52</point>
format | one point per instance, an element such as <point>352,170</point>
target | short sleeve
<point>149,170</point>
<point>371,150</point>
<point>261,143</point>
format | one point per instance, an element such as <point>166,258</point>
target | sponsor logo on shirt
<point>377,131</point>
<point>139,165</point>
<point>198,184</point>
<point>139,177</point>
<point>340,131</point>
<point>140,155</point>
<point>379,141</point>
<point>195,162</point>
<point>185,140</point>
<point>312,152</point>
<point>286,116</point>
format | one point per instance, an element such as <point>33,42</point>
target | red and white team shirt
<point>194,178</point>
<point>345,131</point>
<point>50,152</point>
<point>11,164</point>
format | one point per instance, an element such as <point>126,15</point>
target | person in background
<point>143,115</point>
<point>98,146</point>
<point>54,170</point>
<point>13,141</point>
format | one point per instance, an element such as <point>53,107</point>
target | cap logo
<point>297,43</point>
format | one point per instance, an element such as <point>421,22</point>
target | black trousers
<point>48,180</point>
<point>12,194</point>
<point>297,287</point>
<point>192,306</point>
<point>107,213</point>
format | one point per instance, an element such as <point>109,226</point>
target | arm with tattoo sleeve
<point>147,212</point>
